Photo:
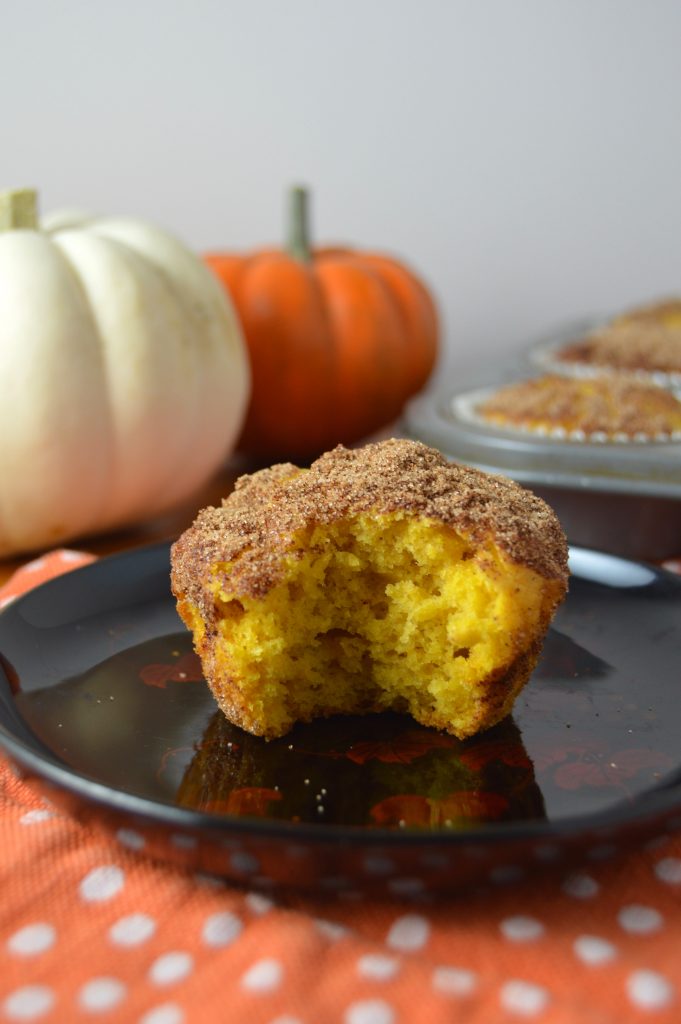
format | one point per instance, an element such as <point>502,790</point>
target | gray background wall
<point>524,155</point>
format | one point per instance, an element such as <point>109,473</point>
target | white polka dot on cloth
<point>257,903</point>
<point>581,887</point>
<point>244,862</point>
<point>406,886</point>
<point>547,853</point>
<point>331,929</point>
<point>69,555</point>
<point>649,990</point>
<point>593,950</point>
<point>29,1003</point>
<point>377,967</point>
<point>166,1013</point>
<point>409,933</point>
<point>376,865</point>
<point>32,939</point>
<point>523,998</point>
<point>369,1011</point>
<point>506,874</point>
<point>639,920</point>
<point>35,566</point>
<point>128,837</point>
<point>221,929</point>
<point>210,881</point>
<point>454,981</point>
<point>36,816</point>
<point>183,841</point>
<point>101,994</point>
<point>521,928</point>
<point>435,859</point>
<point>132,930</point>
<point>602,852</point>
<point>669,870</point>
<point>171,967</point>
<point>102,883</point>
<point>286,1019</point>
<point>264,976</point>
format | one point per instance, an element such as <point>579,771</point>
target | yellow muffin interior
<point>374,612</point>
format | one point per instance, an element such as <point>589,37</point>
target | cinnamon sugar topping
<point>629,345</point>
<point>255,525</point>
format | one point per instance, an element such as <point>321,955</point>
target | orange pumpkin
<point>338,340</point>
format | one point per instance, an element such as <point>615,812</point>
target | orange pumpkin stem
<point>298,244</point>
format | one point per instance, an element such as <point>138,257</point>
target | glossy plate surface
<point>102,698</point>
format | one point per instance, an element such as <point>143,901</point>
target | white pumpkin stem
<point>298,226</point>
<point>18,209</point>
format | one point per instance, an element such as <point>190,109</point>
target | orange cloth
<point>91,930</point>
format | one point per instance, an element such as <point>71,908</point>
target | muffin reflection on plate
<point>609,408</point>
<point>371,771</point>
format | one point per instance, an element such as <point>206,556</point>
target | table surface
<point>164,527</point>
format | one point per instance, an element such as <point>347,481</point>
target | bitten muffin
<point>380,578</point>
<point>610,408</point>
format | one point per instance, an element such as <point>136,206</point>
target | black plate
<point>102,700</point>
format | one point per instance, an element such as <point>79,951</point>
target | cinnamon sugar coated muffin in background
<point>643,340</point>
<point>665,312</point>
<point>380,578</point>
<point>613,407</point>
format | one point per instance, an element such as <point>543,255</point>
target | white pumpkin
<point>124,377</point>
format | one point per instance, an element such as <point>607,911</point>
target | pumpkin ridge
<point>368,336</point>
<point>74,270</point>
<point>285,318</point>
<point>399,361</point>
<point>418,311</point>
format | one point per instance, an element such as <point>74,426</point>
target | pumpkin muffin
<point>666,313</point>
<point>644,340</point>
<point>612,407</point>
<point>380,578</point>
